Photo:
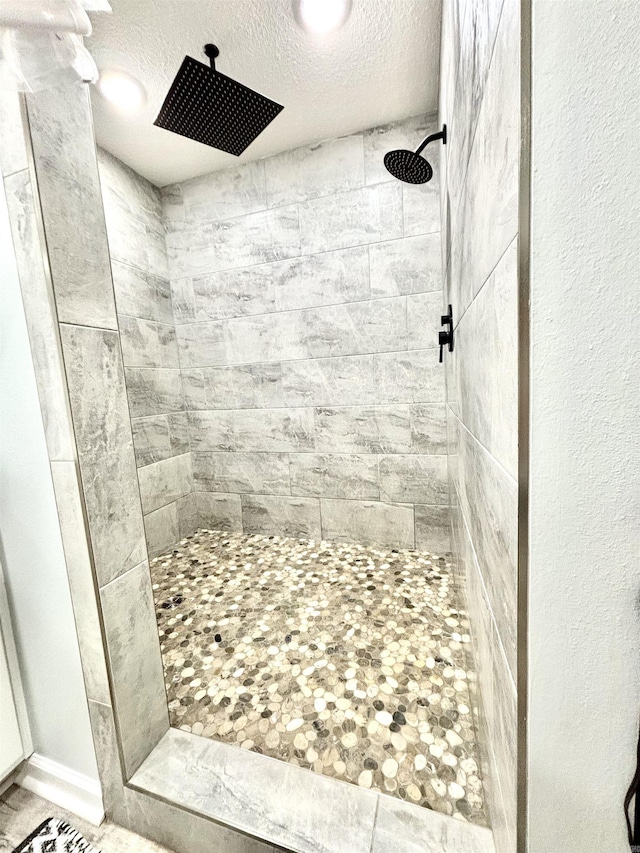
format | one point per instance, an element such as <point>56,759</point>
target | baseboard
<point>62,786</point>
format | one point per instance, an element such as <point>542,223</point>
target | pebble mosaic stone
<point>351,661</point>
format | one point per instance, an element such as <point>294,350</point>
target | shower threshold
<point>284,656</point>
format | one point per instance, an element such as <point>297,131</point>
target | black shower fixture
<point>410,166</point>
<point>213,109</point>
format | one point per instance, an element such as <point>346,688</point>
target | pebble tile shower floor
<point>351,661</point>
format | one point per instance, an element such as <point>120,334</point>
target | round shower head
<point>408,166</point>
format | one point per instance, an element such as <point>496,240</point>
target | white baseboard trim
<point>62,786</point>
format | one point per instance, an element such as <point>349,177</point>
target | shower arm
<point>434,136</point>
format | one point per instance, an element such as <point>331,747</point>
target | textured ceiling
<point>381,66</point>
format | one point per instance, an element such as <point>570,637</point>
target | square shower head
<point>213,109</point>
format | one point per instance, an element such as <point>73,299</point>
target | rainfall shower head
<point>213,109</point>
<point>410,166</point>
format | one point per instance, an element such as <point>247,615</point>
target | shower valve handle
<point>445,339</point>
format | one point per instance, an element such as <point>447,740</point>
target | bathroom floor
<point>352,661</point>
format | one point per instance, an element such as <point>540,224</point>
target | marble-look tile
<point>325,279</point>
<point>424,311</point>
<point>40,317</point>
<point>147,344</point>
<point>127,235</point>
<point>477,25</point>
<point>332,476</point>
<point>165,481</point>
<point>105,448</point>
<point>421,204</point>
<point>410,265</point>
<point>423,830</point>
<point>105,742</point>
<point>274,430</point>
<point>433,530</point>
<point>183,300</point>
<point>226,194</point>
<point>219,511</point>
<point>159,437</point>
<point>282,516</point>
<point>486,363</point>
<point>69,187</point>
<point>135,664</point>
<point>129,190</point>
<point>362,327</point>
<point>258,795</point>
<point>241,472</point>
<point>329,381</point>
<point>80,573</point>
<point>201,345</point>
<point>270,337</point>
<point>414,479</point>
<point>235,293</point>
<point>491,182</point>
<point>368,523</point>
<point>153,391</point>
<point>188,518</point>
<point>408,133</point>
<point>363,430</point>
<point>408,377</point>
<point>489,502</point>
<point>242,386</point>
<point>429,429</point>
<point>316,170</point>
<point>257,238</point>
<point>161,529</point>
<point>157,260</point>
<point>353,218</point>
<point>140,294</point>
<point>13,150</point>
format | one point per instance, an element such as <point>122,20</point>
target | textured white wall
<point>33,559</point>
<point>584,672</point>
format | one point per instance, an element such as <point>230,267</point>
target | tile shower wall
<point>480,102</point>
<point>307,294</point>
<point>138,253</point>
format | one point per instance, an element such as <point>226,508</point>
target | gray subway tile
<point>429,428</point>
<point>235,387</point>
<point>183,300</point>
<point>433,528</point>
<point>281,516</point>
<point>315,170</point>
<point>421,206</point>
<point>165,481</point>
<point>105,448</point>
<point>148,344</point>
<point>408,377</point>
<point>423,319</point>
<point>410,265</point>
<point>414,479</point>
<point>325,279</point>
<point>339,381</point>
<point>270,337</point>
<point>360,429</point>
<point>161,529</point>
<point>368,523</point>
<point>159,437</point>
<point>333,476</point>
<point>201,345</point>
<point>221,195</point>
<point>69,187</point>
<point>218,511</point>
<point>352,218</point>
<point>13,151</point>
<point>141,294</point>
<point>135,663</point>
<point>234,293</point>
<point>357,328</point>
<point>152,391</point>
<point>241,472</point>
<point>275,430</point>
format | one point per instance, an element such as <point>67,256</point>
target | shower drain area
<point>351,661</point>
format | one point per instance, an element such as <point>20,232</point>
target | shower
<point>410,166</point>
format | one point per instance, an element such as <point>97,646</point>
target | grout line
<point>486,449</point>
<point>316,406</point>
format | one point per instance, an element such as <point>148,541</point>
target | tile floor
<point>352,661</point>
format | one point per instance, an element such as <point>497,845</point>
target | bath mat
<point>55,836</point>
